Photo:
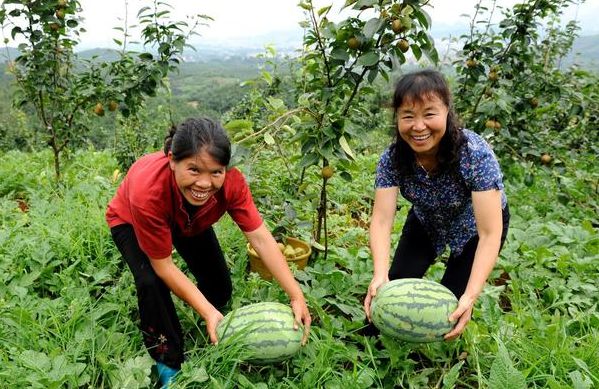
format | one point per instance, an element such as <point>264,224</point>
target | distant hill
<point>106,55</point>
<point>9,52</point>
<point>585,52</point>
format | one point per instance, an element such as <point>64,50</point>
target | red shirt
<point>150,200</point>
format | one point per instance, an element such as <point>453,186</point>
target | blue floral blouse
<point>443,201</point>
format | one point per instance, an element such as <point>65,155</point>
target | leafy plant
<point>338,63</point>
<point>48,72</point>
<point>510,84</point>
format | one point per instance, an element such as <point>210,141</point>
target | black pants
<point>415,253</point>
<point>160,325</point>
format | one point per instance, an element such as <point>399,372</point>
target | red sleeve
<point>241,205</point>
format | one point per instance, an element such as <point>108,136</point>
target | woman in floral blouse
<point>453,181</point>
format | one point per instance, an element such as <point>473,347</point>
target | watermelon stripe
<point>260,329</point>
<point>259,320</point>
<point>410,322</point>
<point>261,323</point>
<point>265,310</point>
<point>420,292</point>
<point>418,305</point>
<point>273,343</point>
<point>412,336</point>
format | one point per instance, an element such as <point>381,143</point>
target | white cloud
<point>242,19</point>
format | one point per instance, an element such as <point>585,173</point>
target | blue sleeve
<point>479,165</point>
<point>386,175</point>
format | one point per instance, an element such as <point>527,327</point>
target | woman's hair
<point>194,135</point>
<point>415,88</point>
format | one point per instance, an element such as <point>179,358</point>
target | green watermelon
<point>266,329</point>
<point>413,310</point>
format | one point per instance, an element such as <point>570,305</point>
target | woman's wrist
<point>205,309</point>
<point>471,295</point>
<point>380,273</point>
<point>297,295</point>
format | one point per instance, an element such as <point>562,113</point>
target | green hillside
<point>585,52</point>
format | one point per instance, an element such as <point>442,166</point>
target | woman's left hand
<point>462,314</point>
<point>302,316</point>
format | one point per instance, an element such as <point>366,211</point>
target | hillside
<point>585,52</point>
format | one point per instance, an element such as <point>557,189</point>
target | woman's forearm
<point>266,247</point>
<point>380,243</point>
<point>383,215</point>
<point>485,258</point>
<point>182,286</point>
<point>277,265</point>
<point>487,213</point>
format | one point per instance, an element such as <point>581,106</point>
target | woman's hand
<point>212,320</point>
<point>302,316</point>
<point>462,314</point>
<point>372,288</point>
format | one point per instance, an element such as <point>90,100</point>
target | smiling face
<point>422,124</point>
<point>198,177</point>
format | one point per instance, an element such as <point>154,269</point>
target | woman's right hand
<point>372,288</point>
<point>212,320</point>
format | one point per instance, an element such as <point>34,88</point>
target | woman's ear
<point>171,161</point>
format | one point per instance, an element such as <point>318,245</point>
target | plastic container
<point>257,266</point>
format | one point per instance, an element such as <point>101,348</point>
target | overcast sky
<point>240,19</point>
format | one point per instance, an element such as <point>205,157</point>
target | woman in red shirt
<point>172,198</point>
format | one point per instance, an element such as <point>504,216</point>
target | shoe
<point>165,374</point>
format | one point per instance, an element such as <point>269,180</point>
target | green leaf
<point>503,373</point>
<point>346,176</point>
<point>416,51</point>
<point>142,10</point>
<point>423,18</point>
<point>305,6</point>
<point>35,360</point>
<point>340,54</point>
<point>309,160</point>
<point>133,373</point>
<point>238,124</point>
<point>267,77</point>
<point>407,10</point>
<point>345,146</point>
<point>276,104</point>
<point>268,139</point>
<point>371,27</point>
<point>372,75</point>
<point>363,4</point>
<point>450,379</point>
<point>368,59</point>
<point>432,54</point>
<point>15,31</point>
<point>317,246</point>
<point>582,364</point>
<point>323,10</point>
<point>580,381</point>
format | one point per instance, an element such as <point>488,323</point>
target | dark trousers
<point>415,253</point>
<point>160,325</point>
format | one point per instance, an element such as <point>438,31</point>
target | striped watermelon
<point>266,330</point>
<point>413,310</point>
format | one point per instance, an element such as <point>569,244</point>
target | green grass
<point>68,312</point>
